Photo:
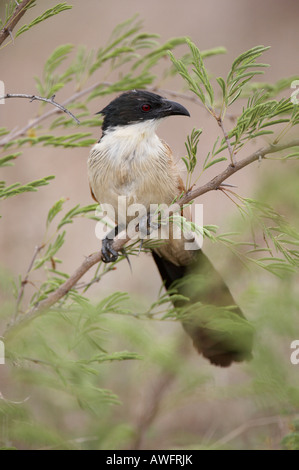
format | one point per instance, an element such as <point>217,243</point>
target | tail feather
<point>217,327</point>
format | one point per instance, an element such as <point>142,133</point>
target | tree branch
<point>123,237</point>
<point>176,94</point>
<point>25,280</point>
<point>264,421</point>
<point>40,98</point>
<point>33,123</point>
<point>151,408</point>
<point>19,11</point>
<point>230,170</point>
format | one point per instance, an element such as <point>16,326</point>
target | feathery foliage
<point>80,360</point>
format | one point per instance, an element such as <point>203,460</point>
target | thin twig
<point>214,183</point>
<point>86,285</point>
<point>122,238</point>
<point>33,123</point>
<point>176,94</point>
<point>229,147</point>
<point>265,421</point>
<point>40,98</point>
<point>19,11</point>
<point>55,296</point>
<point>25,281</point>
<point>11,36</point>
<point>152,408</point>
<point>78,440</point>
<point>225,191</point>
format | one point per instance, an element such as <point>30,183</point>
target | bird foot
<point>109,255</point>
<point>147,225</point>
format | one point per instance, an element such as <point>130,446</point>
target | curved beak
<point>172,108</point>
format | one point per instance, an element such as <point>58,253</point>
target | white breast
<point>131,161</point>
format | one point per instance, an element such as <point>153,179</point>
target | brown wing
<point>92,195</point>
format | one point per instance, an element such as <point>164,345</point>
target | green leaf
<point>240,73</point>
<point>216,160</point>
<point>191,147</point>
<point>57,57</point>
<point>199,82</point>
<point>71,140</point>
<point>294,155</point>
<point>51,250</point>
<point>3,131</point>
<point>222,85</point>
<point>47,14</point>
<point>55,209</point>
<point>16,188</point>
<point>151,59</point>
<point>291,441</point>
<point>75,212</point>
<point>7,160</point>
<point>200,70</point>
<point>117,356</point>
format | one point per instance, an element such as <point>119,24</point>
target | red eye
<point>146,107</point>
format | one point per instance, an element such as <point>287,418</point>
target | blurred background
<point>198,404</point>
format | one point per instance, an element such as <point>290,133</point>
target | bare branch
<point>176,94</point>
<point>151,408</point>
<point>25,280</point>
<point>90,261</point>
<point>33,123</point>
<point>264,421</point>
<point>231,152</point>
<point>19,11</point>
<point>40,98</point>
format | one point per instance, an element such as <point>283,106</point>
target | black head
<point>139,105</point>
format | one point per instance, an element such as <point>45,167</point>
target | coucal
<point>130,162</point>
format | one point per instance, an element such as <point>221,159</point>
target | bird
<point>131,165</point>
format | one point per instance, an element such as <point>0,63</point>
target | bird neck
<point>133,141</point>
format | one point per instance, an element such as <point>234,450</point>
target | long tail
<point>210,316</point>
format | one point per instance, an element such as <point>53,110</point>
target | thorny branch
<point>19,11</point>
<point>123,238</point>
<point>40,98</point>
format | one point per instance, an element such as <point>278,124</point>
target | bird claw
<point>125,254</point>
<point>109,255</point>
<point>140,246</point>
<point>147,226</point>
